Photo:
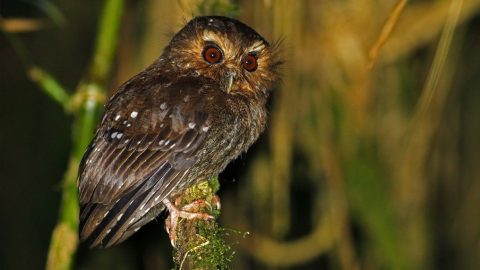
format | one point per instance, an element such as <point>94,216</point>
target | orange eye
<point>250,63</point>
<point>212,54</point>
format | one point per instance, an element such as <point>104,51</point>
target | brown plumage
<point>178,122</point>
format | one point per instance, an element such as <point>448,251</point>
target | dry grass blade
<point>19,25</point>
<point>440,57</point>
<point>419,137</point>
<point>286,254</point>
<point>424,20</point>
<point>386,31</point>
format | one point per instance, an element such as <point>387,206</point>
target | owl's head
<point>227,51</point>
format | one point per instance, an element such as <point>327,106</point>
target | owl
<point>179,122</point>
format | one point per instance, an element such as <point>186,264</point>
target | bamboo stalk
<point>64,240</point>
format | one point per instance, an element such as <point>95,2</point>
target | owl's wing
<point>137,159</point>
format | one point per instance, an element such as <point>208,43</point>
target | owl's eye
<point>250,63</point>
<point>212,54</point>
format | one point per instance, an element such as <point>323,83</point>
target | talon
<point>175,214</point>
<point>178,200</point>
<point>167,224</point>
<point>216,202</point>
<point>194,205</point>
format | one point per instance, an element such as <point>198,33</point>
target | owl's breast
<point>235,126</point>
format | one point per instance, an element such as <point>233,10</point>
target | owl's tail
<point>108,225</point>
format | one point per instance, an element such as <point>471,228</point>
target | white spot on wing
<point>163,106</point>
<point>134,114</point>
<point>191,125</point>
<point>119,135</point>
<point>205,129</point>
<point>114,134</point>
<point>117,117</point>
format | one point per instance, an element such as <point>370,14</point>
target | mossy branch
<point>200,243</point>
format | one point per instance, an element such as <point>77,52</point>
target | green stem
<point>65,235</point>
<point>106,43</point>
<point>50,86</point>
<point>43,79</point>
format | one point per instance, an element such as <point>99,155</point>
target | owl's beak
<point>230,77</point>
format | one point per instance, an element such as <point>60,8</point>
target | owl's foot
<point>200,204</point>
<point>186,212</point>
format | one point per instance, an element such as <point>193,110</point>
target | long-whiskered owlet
<point>180,121</point>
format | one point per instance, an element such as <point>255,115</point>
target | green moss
<point>214,184</point>
<point>200,243</point>
<point>207,250</point>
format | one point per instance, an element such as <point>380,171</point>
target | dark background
<point>358,169</point>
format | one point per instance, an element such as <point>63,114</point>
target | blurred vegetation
<point>370,160</point>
